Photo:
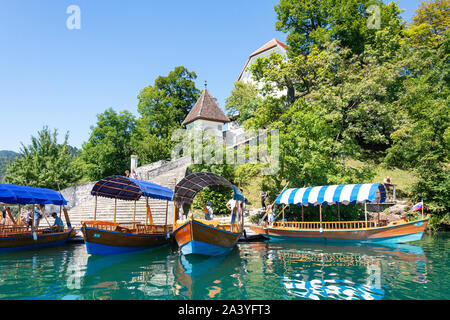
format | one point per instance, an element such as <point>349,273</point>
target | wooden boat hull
<point>194,237</point>
<point>400,233</point>
<point>25,240</point>
<point>105,242</point>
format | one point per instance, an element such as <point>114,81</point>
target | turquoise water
<point>263,270</point>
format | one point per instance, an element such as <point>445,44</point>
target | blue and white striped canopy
<point>344,193</point>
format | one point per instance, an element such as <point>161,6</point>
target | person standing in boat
<point>29,217</point>
<point>37,217</point>
<point>232,206</point>
<point>209,215</point>
<point>270,217</point>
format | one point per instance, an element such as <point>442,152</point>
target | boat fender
<point>167,235</point>
<point>34,236</point>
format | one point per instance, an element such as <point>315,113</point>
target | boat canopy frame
<point>125,188</point>
<point>188,187</point>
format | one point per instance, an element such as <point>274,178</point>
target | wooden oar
<point>270,207</point>
<point>285,206</point>
<point>42,212</point>
<point>11,217</point>
<point>66,214</point>
<point>205,210</point>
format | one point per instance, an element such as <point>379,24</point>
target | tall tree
<point>45,163</point>
<point>163,107</point>
<point>311,23</point>
<point>108,150</point>
<point>421,142</point>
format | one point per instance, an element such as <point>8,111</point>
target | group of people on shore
<point>132,175</point>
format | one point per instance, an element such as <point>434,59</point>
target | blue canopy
<point>237,194</point>
<point>14,194</point>
<point>344,193</point>
<point>124,188</point>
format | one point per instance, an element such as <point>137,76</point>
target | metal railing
<point>127,227</point>
<point>332,225</point>
<point>11,231</point>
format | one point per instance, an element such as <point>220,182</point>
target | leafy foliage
<point>45,163</point>
<point>163,107</point>
<point>108,150</point>
<point>5,158</point>
<point>374,94</point>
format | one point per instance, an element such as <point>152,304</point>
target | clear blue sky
<point>50,75</point>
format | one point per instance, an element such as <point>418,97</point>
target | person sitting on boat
<point>4,216</point>
<point>127,173</point>
<point>209,215</point>
<point>133,174</point>
<point>59,224</point>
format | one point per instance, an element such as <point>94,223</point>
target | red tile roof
<point>269,45</point>
<point>272,43</point>
<point>206,108</point>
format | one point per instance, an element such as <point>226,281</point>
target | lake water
<point>262,270</point>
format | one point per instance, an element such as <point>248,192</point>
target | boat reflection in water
<point>202,277</point>
<point>309,271</point>
<point>112,277</point>
<point>262,271</point>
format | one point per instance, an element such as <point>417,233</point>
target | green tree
<point>243,101</point>
<point>430,23</point>
<point>108,150</point>
<point>421,142</point>
<point>311,23</point>
<point>5,158</point>
<point>355,91</point>
<point>162,108</point>
<point>45,163</point>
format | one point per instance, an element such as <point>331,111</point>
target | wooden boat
<point>108,238</point>
<point>17,236</point>
<point>205,237</point>
<point>376,231</point>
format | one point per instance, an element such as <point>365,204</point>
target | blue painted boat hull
<point>197,247</point>
<point>107,250</point>
<point>388,240</point>
<point>194,237</point>
<point>391,234</point>
<point>103,242</point>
